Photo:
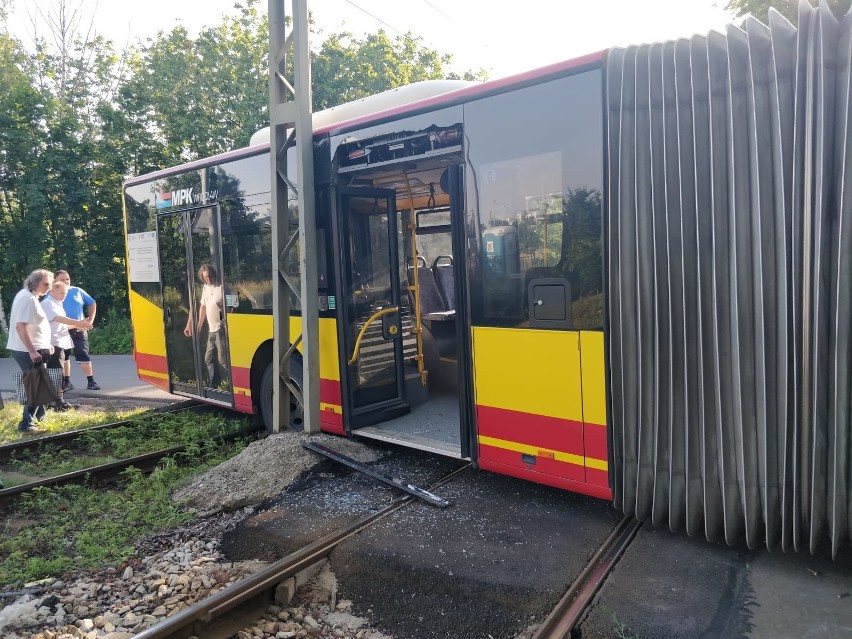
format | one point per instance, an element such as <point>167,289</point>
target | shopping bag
<point>41,384</point>
<point>55,377</point>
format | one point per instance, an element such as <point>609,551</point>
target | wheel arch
<point>262,358</point>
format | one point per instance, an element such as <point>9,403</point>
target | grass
<point>86,528</point>
<point>145,433</point>
<point>621,630</point>
<point>55,422</point>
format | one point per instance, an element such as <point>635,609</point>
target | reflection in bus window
<point>246,254</point>
<point>534,200</point>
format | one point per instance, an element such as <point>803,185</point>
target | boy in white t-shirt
<point>60,338</point>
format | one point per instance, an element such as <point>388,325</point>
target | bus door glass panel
<point>197,358</point>
<point>371,288</point>
<point>178,300</point>
<point>209,328</point>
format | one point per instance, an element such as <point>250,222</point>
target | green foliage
<point>145,433</point>
<point>621,630</point>
<point>347,68</point>
<point>80,527</point>
<point>114,335</point>
<point>76,118</point>
<point>788,8</point>
<point>55,422</point>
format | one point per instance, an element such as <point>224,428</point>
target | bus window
<point>534,200</point>
<point>246,254</point>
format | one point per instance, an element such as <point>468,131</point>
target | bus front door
<point>194,306</point>
<point>371,332</point>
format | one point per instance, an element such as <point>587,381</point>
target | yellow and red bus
<point>460,291</point>
<point>625,275</point>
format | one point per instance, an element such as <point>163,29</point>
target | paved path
<point>115,374</point>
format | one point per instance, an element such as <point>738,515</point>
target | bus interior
<point>403,233</point>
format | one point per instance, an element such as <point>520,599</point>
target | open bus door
<point>371,331</point>
<point>195,300</point>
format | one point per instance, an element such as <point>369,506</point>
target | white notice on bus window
<point>144,260</point>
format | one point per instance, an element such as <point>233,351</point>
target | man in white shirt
<point>211,309</point>
<point>60,338</point>
<point>29,336</point>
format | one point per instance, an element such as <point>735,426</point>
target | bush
<point>114,336</point>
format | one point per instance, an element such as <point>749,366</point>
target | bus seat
<point>430,296</point>
<point>442,269</point>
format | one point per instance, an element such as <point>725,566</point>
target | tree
<point>788,8</point>
<point>76,119</point>
<point>59,208</point>
<point>346,68</point>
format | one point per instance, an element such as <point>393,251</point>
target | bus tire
<point>297,420</point>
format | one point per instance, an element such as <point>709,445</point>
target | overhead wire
<point>392,28</point>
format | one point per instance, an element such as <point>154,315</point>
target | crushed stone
<point>261,471</point>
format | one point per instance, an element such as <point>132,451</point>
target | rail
<point>560,623</point>
<point>373,318</point>
<point>240,604</point>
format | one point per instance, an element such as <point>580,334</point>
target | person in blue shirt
<point>78,305</point>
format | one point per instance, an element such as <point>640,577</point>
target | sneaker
<point>31,430</point>
<point>67,386</point>
<point>61,406</point>
<point>93,386</point>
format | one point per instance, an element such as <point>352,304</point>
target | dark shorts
<point>81,345</point>
<point>59,357</point>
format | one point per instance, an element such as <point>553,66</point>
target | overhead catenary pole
<point>291,125</point>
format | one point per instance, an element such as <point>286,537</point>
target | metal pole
<point>307,218</point>
<point>291,122</point>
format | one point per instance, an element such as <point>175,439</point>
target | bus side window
<point>501,273</point>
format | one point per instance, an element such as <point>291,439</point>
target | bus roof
<point>411,97</point>
<point>377,103</point>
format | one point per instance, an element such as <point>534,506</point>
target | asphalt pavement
<point>115,374</point>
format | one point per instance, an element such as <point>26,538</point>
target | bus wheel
<point>297,413</point>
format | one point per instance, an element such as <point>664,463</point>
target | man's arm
<point>83,325</point>
<point>92,310</point>
<point>201,316</point>
<point>22,329</point>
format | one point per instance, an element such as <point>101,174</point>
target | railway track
<point>242,604</point>
<point>238,606</point>
<point>567,613</point>
<point>67,439</point>
<point>102,473</point>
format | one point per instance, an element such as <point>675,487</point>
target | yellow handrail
<point>418,324</point>
<point>373,318</point>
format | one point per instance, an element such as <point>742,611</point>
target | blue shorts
<point>81,345</point>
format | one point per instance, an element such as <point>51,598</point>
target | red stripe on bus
<point>330,392</point>
<point>543,465</point>
<point>601,492</point>
<point>564,435</point>
<point>597,477</point>
<point>243,404</point>
<point>241,376</point>
<point>331,422</point>
<point>596,442</point>
<point>159,382</point>
<point>154,363</point>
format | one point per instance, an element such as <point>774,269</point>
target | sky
<point>500,37</point>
